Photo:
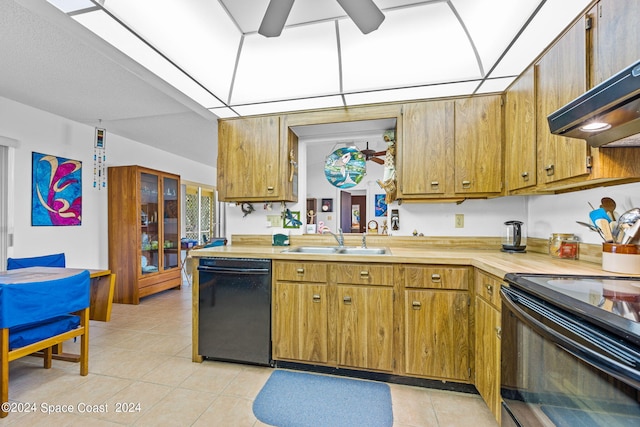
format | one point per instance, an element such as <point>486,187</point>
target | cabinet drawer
<point>488,288</point>
<point>416,276</point>
<point>364,274</point>
<point>300,271</point>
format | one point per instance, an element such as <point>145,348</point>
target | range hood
<point>608,114</point>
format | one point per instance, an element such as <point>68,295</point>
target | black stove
<point>612,303</point>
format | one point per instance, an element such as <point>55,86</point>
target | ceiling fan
<point>373,155</point>
<point>364,13</point>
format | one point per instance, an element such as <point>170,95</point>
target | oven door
<point>558,370</point>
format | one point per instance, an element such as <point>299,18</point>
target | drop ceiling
<point>181,64</point>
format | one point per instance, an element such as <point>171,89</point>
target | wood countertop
<point>492,261</point>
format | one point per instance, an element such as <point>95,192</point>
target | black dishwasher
<point>235,310</point>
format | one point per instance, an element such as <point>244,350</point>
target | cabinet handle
<point>316,297</point>
<point>550,169</point>
<point>466,184</point>
<point>346,300</point>
<point>364,273</point>
<point>435,277</point>
<point>416,305</point>
<point>499,332</point>
<point>525,175</point>
<point>490,290</point>
<point>300,270</point>
<point>435,184</point>
<point>270,189</point>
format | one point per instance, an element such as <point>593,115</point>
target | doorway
<point>353,212</point>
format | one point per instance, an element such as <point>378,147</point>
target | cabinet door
<point>616,37</point>
<point>300,322</point>
<point>520,133</point>
<point>248,159</point>
<point>560,78</point>
<point>150,236</point>
<point>365,327</point>
<point>478,145</point>
<point>170,232</point>
<point>487,354</point>
<point>427,147</point>
<point>437,334</point>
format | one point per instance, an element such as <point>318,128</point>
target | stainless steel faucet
<point>339,239</point>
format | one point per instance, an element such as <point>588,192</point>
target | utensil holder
<point>621,258</point>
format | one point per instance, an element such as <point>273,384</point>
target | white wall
<point>85,246</point>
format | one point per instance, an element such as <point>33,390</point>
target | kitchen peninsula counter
<point>492,261</point>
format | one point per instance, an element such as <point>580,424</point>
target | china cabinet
<point>144,227</point>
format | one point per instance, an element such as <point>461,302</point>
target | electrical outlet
<point>275,220</point>
<point>459,220</point>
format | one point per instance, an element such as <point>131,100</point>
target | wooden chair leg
<point>4,369</point>
<point>47,355</point>
<point>84,342</point>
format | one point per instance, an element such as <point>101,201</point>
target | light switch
<point>274,220</point>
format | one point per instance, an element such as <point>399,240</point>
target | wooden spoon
<point>609,205</point>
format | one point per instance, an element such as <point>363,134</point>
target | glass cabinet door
<point>171,241</point>
<point>149,223</point>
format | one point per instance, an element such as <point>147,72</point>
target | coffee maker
<point>514,238</point>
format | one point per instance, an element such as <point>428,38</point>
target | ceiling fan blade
<point>364,13</point>
<point>380,153</point>
<point>377,160</point>
<point>275,17</point>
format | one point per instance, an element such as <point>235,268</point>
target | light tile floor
<point>140,373</point>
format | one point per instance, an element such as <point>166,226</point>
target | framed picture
<point>101,138</point>
<point>327,205</point>
<point>292,219</point>
<point>56,190</point>
<point>381,205</point>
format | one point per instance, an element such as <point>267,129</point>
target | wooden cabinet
<point>436,322</point>
<point>451,149</point>
<point>365,316</point>
<point>478,145</point>
<point>346,321</point>
<point>144,232</point>
<point>616,35</point>
<point>300,311</point>
<point>520,133</point>
<point>560,158</point>
<point>255,158</point>
<point>487,338</point>
<point>423,168</point>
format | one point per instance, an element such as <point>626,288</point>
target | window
<point>200,213</point>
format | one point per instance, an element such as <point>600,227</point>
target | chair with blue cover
<point>37,315</point>
<point>52,260</point>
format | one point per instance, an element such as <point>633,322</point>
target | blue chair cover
<point>53,260</point>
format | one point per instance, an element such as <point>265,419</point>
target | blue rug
<point>300,399</point>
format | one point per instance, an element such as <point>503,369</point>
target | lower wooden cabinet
<point>337,314</point>
<point>365,327</point>
<point>488,334</point>
<point>300,322</point>
<point>437,334</point>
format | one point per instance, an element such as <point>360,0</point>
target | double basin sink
<point>338,250</point>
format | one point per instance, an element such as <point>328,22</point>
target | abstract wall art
<point>56,197</point>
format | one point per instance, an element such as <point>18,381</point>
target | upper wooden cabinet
<point>478,145</point>
<point>616,34</point>
<point>561,76</point>
<point>255,158</point>
<point>428,143</point>
<point>451,149</point>
<point>520,133</point>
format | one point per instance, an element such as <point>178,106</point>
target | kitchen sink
<point>337,250</point>
<point>312,250</point>
<point>364,251</point>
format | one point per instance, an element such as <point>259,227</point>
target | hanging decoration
<point>99,159</point>
<point>345,167</point>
